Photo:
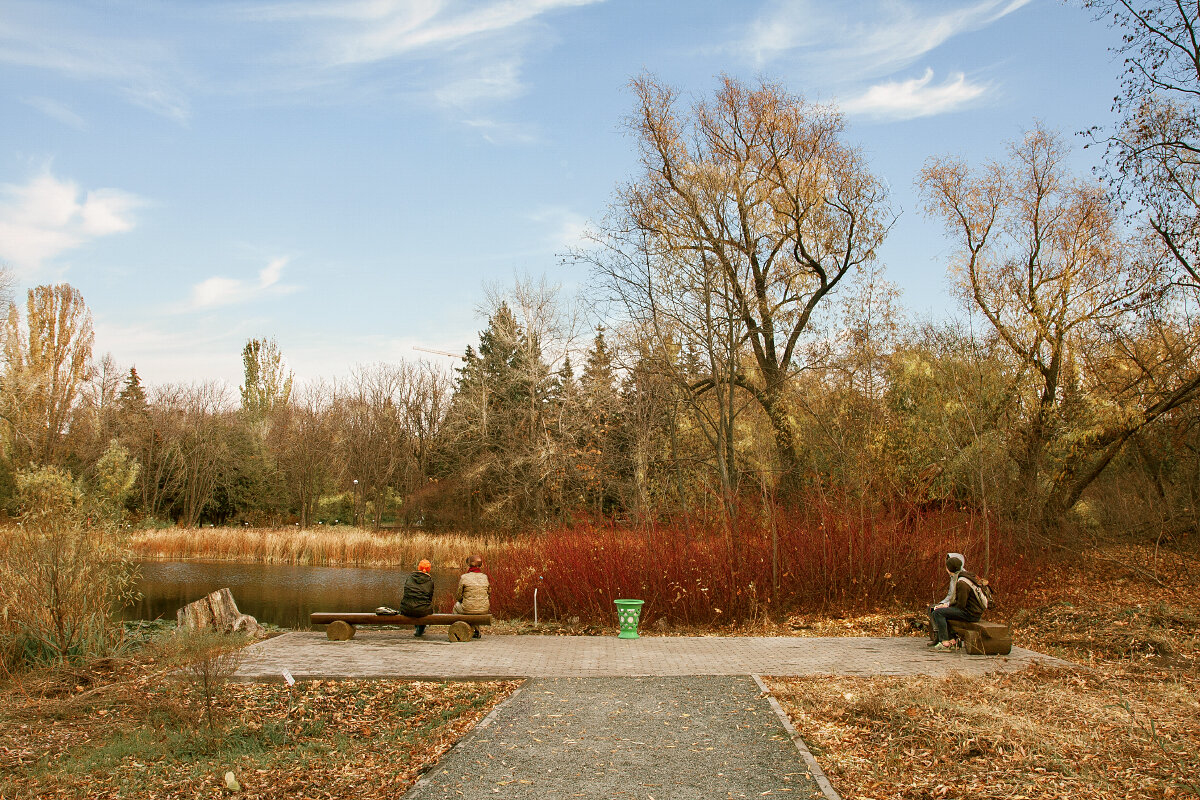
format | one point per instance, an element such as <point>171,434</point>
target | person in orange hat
<point>418,594</point>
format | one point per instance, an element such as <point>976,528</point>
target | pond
<point>281,594</point>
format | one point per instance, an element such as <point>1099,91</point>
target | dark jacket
<point>418,595</point>
<point>964,595</point>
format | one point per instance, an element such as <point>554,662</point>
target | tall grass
<point>340,546</point>
<point>688,573</point>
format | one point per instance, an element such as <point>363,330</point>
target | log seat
<point>340,624</point>
<point>983,638</point>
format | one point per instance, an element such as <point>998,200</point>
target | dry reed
<point>341,546</point>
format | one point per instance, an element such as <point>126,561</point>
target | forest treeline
<point>741,345</point>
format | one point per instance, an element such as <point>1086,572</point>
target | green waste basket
<point>628,612</point>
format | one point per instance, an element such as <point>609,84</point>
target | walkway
<point>605,738</point>
<point>600,717</point>
<point>396,654</point>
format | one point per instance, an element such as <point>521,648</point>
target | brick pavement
<point>397,654</point>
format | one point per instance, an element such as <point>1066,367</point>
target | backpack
<point>983,592</point>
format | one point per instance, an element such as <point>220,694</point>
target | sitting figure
<point>418,594</point>
<point>473,595</point>
<point>963,602</point>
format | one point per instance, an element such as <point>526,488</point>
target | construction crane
<point>438,352</point>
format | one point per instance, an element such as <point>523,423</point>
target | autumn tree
<point>268,381</point>
<point>301,440</point>
<point>756,189</point>
<point>1040,256</point>
<point>1154,151</point>
<point>47,362</point>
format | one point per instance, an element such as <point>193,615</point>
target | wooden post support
<point>460,631</point>
<point>340,631</point>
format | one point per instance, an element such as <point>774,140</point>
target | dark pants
<point>938,617</point>
<point>420,611</point>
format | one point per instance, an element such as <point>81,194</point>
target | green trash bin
<point>628,612</point>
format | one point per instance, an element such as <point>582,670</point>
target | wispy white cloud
<point>377,30</point>
<point>460,55</point>
<point>917,97</point>
<point>46,217</point>
<point>44,38</point>
<point>491,82</point>
<point>897,32</point>
<point>222,291</point>
<point>57,111</point>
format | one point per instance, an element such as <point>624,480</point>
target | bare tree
<point>755,187</point>
<point>1154,153</point>
<point>301,439</point>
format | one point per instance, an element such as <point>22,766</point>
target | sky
<point>349,176</point>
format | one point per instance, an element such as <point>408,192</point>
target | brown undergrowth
<point>1124,723</point>
<point>134,728</point>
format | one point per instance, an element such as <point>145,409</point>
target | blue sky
<point>348,175</point>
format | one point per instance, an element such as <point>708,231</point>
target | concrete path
<point>397,654</point>
<point>604,738</point>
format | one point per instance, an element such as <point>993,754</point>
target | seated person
<point>473,595</point>
<point>961,603</point>
<point>418,594</point>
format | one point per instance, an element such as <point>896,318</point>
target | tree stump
<point>460,631</point>
<point>339,631</point>
<point>219,611</point>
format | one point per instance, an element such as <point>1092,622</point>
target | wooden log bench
<point>983,638</point>
<point>340,624</point>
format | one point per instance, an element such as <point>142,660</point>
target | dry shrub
<point>64,574</point>
<point>692,573</point>
<point>211,660</point>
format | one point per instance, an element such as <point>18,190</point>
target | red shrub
<point>830,559</point>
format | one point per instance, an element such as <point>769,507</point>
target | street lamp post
<point>354,499</point>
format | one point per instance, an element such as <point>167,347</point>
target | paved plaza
<point>600,717</point>
<point>378,653</point>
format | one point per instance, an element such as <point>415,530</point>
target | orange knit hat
<point>425,566</point>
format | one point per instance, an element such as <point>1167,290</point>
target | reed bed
<point>340,546</point>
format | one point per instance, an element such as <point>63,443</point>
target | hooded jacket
<point>948,600</point>
<point>962,593</point>
<point>418,595</point>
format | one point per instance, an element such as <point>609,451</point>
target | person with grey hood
<point>962,603</point>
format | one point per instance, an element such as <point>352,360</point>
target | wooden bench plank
<point>370,618</point>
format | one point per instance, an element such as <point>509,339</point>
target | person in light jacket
<point>473,595</point>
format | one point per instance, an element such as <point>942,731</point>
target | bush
<point>831,558</point>
<point>64,573</point>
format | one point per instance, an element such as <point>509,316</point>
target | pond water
<point>282,594</point>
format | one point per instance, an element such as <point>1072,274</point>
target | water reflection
<point>283,594</point>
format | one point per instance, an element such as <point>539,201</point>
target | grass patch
<point>135,729</point>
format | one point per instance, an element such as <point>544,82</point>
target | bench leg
<point>460,631</point>
<point>339,631</point>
